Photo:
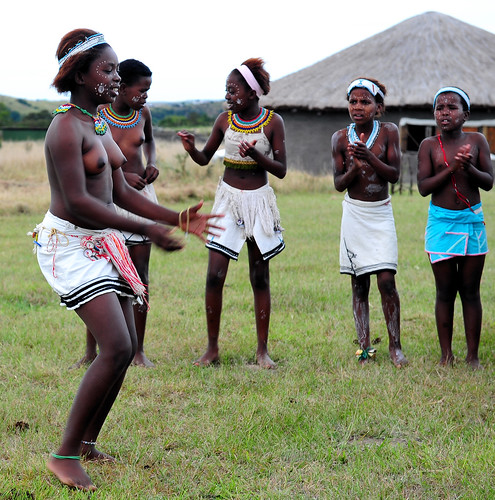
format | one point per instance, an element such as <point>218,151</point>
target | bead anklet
<point>64,457</point>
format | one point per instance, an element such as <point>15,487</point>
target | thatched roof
<point>413,59</point>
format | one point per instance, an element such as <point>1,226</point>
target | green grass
<point>320,426</point>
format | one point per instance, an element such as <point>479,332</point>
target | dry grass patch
<point>24,186</point>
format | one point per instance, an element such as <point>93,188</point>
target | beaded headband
<point>250,79</point>
<point>89,43</point>
<point>362,83</point>
<point>457,91</point>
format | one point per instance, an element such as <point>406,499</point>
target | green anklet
<point>63,457</point>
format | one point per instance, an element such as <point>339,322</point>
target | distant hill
<point>159,110</point>
<point>21,107</point>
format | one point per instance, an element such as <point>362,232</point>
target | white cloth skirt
<point>368,240</point>
<point>249,214</point>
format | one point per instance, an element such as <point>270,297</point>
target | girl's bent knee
<point>119,356</point>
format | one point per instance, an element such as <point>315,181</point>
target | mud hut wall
<point>308,139</point>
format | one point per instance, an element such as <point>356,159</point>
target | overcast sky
<point>192,45</point>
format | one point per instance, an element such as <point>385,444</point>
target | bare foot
<point>86,360</point>
<point>140,359</point>
<point>474,363</point>
<point>397,357</point>
<point>91,454</point>
<point>264,361</point>
<point>367,361</point>
<point>70,473</point>
<point>446,360</point>
<point>208,358</point>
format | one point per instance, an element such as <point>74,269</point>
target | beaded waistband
<point>240,165</point>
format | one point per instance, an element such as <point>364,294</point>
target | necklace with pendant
<point>100,124</point>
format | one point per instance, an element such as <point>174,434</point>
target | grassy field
<point>318,427</point>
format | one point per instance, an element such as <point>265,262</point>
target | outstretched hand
<point>190,221</point>
<point>188,140</point>
<point>162,237</point>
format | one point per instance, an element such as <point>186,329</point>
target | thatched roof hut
<point>413,59</point>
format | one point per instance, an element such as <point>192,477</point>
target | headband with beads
<point>89,43</point>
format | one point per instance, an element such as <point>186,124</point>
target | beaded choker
<point>353,137</point>
<point>249,127</point>
<point>100,124</point>
<point>112,118</point>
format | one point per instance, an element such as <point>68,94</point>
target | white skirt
<point>133,238</point>
<point>75,267</point>
<point>368,241</point>
<point>249,214</point>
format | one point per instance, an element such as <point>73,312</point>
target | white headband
<point>457,91</point>
<point>250,79</point>
<point>362,83</point>
<point>89,43</point>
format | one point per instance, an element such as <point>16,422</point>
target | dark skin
<point>85,175</point>
<point>134,143</point>
<point>365,174</point>
<point>243,101</point>
<point>468,158</point>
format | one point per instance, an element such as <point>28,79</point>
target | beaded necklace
<point>353,137</point>
<point>100,124</point>
<point>249,127</point>
<point>128,121</point>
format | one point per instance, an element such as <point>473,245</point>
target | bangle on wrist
<point>186,230</point>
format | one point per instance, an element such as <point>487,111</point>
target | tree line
<point>165,115</point>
